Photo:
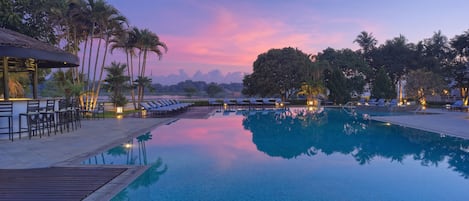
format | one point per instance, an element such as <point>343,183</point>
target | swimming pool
<point>293,156</point>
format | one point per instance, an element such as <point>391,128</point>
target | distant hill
<point>211,76</point>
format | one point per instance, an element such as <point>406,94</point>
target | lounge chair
<point>393,103</point>
<point>458,105</point>
<point>381,102</point>
<point>372,102</point>
<point>254,103</point>
<point>268,101</point>
<point>242,102</point>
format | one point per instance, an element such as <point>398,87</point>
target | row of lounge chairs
<point>379,102</point>
<point>459,105</point>
<point>246,102</point>
<point>164,107</point>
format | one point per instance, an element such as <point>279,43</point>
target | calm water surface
<point>293,156</point>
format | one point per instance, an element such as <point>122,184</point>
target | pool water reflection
<point>294,156</point>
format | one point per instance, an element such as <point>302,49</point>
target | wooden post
<point>6,89</point>
<point>35,82</point>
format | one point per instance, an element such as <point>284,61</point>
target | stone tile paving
<point>453,123</point>
<point>93,136</point>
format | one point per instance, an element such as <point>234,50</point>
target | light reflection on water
<point>293,156</point>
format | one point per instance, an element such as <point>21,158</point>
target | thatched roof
<point>16,45</point>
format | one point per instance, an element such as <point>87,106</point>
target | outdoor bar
<point>21,53</point>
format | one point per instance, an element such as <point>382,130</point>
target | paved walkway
<point>439,121</point>
<point>61,149</point>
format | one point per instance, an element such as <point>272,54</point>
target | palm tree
<point>76,21</point>
<point>147,42</point>
<point>112,25</point>
<point>142,83</point>
<point>71,21</point>
<point>367,42</point>
<point>104,21</point>
<point>116,83</point>
<point>126,41</point>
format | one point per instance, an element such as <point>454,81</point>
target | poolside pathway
<point>436,120</point>
<point>94,136</point>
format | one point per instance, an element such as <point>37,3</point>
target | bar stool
<point>76,113</point>
<point>33,119</point>
<point>6,111</point>
<point>63,116</point>
<point>48,117</point>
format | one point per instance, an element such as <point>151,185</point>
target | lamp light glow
<point>119,110</point>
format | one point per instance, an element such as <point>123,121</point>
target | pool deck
<point>443,122</point>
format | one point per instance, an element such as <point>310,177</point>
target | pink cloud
<point>233,40</point>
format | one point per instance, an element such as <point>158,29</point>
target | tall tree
<point>367,42</point>
<point>111,25</point>
<point>460,43</point>
<point>348,61</point>
<point>146,42</point>
<point>435,53</point>
<point>71,21</point>
<point>104,21</point>
<point>383,86</point>
<point>277,72</point>
<point>127,41</point>
<point>337,85</point>
<point>396,57</point>
<point>351,64</point>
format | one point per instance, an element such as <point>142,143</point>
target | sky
<point>228,35</point>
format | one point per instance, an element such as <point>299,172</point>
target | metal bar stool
<point>76,113</point>
<point>48,117</point>
<point>33,119</point>
<point>63,116</point>
<point>6,111</point>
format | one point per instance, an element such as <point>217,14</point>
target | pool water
<point>293,155</point>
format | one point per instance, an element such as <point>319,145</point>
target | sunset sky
<point>229,34</point>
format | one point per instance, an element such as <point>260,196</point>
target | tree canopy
<point>277,72</point>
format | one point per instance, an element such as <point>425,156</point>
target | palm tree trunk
<point>145,53</point>
<point>144,62</point>
<point>93,86</point>
<point>129,71</point>
<point>101,72</point>
<point>139,62</point>
<point>139,87</point>
<point>88,86</point>
<point>76,78</point>
<point>132,81</point>
<point>84,56</point>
